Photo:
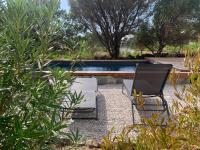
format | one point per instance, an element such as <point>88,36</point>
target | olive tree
<point>111,20</point>
<point>170,25</point>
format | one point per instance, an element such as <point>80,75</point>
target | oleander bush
<point>30,107</point>
<point>183,128</point>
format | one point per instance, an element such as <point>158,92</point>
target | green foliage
<point>126,54</point>
<point>183,128</point>
<point>71,39</point>
<point>30,107</point>
<point>170,26</point>
<point>83,51</point>
<point>145,38</point>
<point>110,20</point>
<point>75,137</point>
<point>174,49</point>
<point>69,32</point>
<point>193,48</point>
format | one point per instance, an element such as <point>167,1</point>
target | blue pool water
<point>96,65</point>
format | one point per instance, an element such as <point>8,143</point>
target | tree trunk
<point>160,49</point>
<point>115,50</point>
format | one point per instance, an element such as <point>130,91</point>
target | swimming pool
<point>97,65</point>
<point>111,68</point>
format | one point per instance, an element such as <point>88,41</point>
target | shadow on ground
<point>93,129</point>
<point>147,111</point>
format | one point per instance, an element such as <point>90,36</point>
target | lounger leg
<point>168,113</point>
<point>133,113</point>
<point>122,88</point>
<point>165,105</point>
<point>96,109</point>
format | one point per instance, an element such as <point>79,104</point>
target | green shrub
<point>173,49</point>
<point>30,110</point>
<point>193,47</point>
<point>84,52</point>
<point>132,54</point>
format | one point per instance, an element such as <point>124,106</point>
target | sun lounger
<point>149,80</point>
<point>87,109</point>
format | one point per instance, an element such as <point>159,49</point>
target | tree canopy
<point>111,20</point>
<point>170,26</point>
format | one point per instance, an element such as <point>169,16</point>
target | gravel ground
<point>114,110</point>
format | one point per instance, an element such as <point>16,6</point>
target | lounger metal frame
<point>84,111</point>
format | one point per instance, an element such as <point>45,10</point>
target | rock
<point>93,144</point>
